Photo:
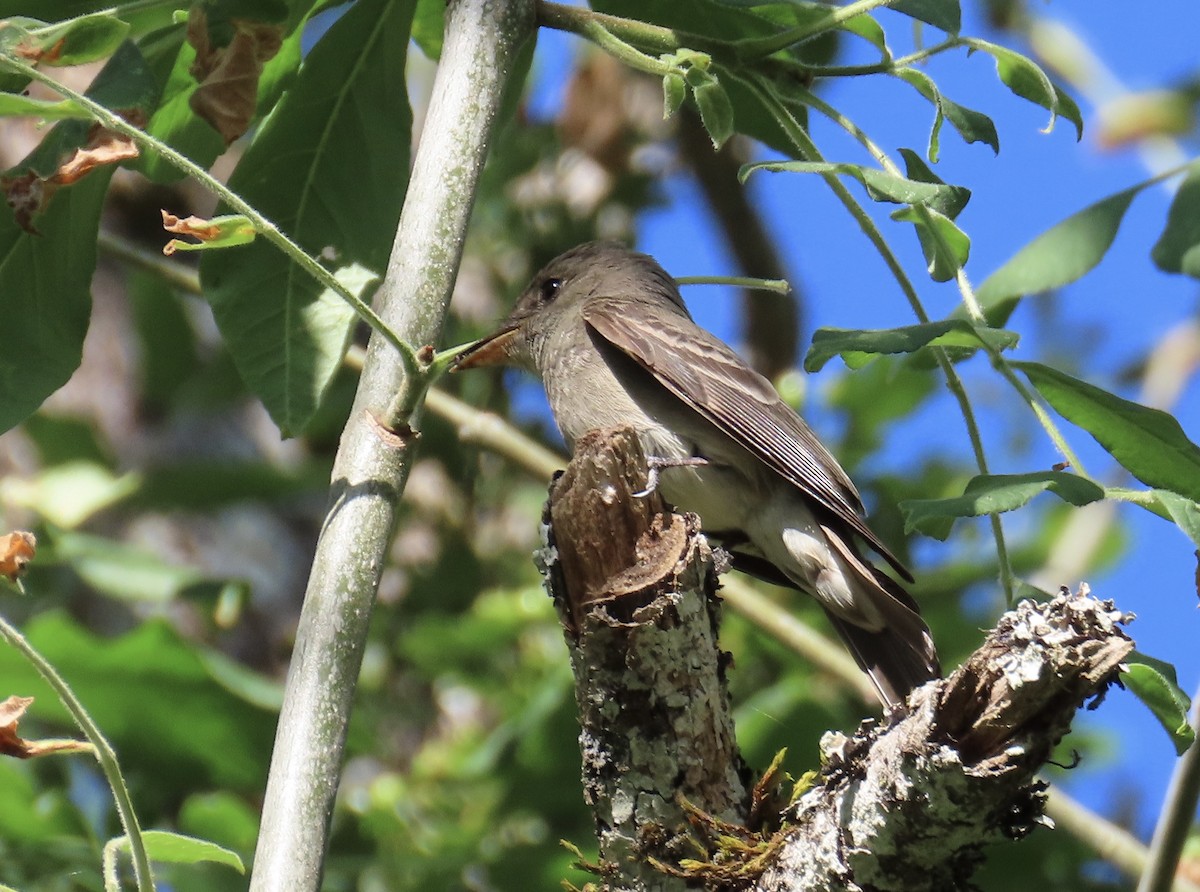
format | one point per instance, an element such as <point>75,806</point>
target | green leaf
<point>1184,512</point>
<point>221,817</point>
<point>225,231</point>
<point>995,494</point>
<point>971,125</point>
<point>1178,248</point>
<point>946,247</point>
<point>857,347</point>
<point>880,185</point>
<point>429,26</point>
<point>1026,79</point>
<point>12,105</point>
<point>674,93</point>
<point>121,571</point>
<point>944,14</point>
<point>286,336</point>
<point>716,111</point>
<point>86,38</point>
<point>68,494</point>
<point>1148,443</point>
<point>919,171</point>
<point>155,699</point>
<point>45,277</point>
<point>1057,257</point>
<point>175,848</point>
<point>1154,683</point>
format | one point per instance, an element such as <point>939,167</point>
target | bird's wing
<point>715,382</point>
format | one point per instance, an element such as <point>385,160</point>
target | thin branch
<point>373,459</point>
<point>1176,818</point>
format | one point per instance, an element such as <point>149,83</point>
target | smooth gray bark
<point>372,464</point>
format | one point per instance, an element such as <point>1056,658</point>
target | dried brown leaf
<point>228,76</point>
<point>16,551</point>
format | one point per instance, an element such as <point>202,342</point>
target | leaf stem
<point>809,152</point>
<point>104,752</point>
<point>262,225</point>
<point>778,286</point>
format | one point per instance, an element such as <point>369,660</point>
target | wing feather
<point>714,381</point>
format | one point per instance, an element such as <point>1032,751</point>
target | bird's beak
<point>494,349</point>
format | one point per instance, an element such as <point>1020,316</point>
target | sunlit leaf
<point>971,125</point>
<point>1178,248</point>
<point>946,247</point>
<point>881,185</point>
<point>1155,684</point>
<point>995,494</point>
<point>1057,257</point>
<point>175,848</point>
<point>1148,443</point>
<point>1026,79</point>
<point>857,347</point>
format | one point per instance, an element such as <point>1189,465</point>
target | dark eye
<point>550,289</point>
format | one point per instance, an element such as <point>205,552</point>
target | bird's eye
<point>550,289</point>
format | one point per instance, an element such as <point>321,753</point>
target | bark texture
<point>909,804</point>
<point>634,584</point>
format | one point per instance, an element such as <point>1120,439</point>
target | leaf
<point>226,231</point>
<point>230,55</point>
<point>1026,79</point>
<point>881,186</point>
<point>995,494</point>
<point>13,105</point>
<point>919,171</point>
<point>674,93</point>
<point>17,549</point>
<point>971,125</point>
<point>1184,512</point>
<point>85,38</point>
<point>155,699</point>
<point>716,111</point>
<point>944,14</point>
<point>1154,683</point>
<point>429,26</point>
<point>1148,443</point>
<point>175,848</point>
<point>45,279</point>
<point>286,337</point>
<point>857,346</point>
<point>70,493</point>
<point>1178,248</point>
<point>1057,257</point>
<point>946,247</point>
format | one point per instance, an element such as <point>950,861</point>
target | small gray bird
<point>606,330</point>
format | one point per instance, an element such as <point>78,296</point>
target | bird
<point>606,330</point>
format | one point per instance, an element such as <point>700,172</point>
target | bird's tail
<point>901,655</point>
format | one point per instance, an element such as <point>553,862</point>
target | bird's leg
<point>655,463</point>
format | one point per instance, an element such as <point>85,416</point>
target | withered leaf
<point>228,75</point>
<point>16,551</point>
<point>11,744</point>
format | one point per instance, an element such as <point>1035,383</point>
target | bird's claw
<point>655,463</point>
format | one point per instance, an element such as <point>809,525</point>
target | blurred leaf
<point>222,817</point>
<point>286,336</point>
<point>85,38</point>
<point>946,247</point>
<point>1026,79</point>
<point>12,105</point>
<point>971,125</point>
<point>155,700</point>
<point>70,493</point>
<point>166,342</point>
<point>944,14</point>
<point>1154,683</point>
<point>174,848</point>
<point>124,572</point>
<point>1178,248</point>
<point>61,439</point>
<point>858,347</point>
<point>1148,443</point>
<point>1057,257</point>
<point>429,25</point>
<point>881,186</point>
<point>995,494</point>
<point>28,814</point>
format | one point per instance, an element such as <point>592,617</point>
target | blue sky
<point>1109,318</point>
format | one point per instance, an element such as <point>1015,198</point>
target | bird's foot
<point>655,463</point>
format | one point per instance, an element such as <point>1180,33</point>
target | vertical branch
<point>634,585</point>
<point>373,461</point>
